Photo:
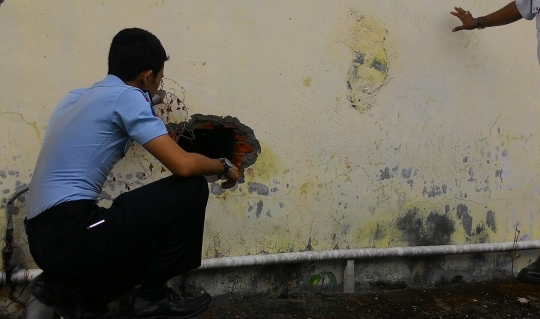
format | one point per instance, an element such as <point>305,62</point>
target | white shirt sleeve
<point>525,9</point>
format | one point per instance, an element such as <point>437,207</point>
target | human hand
<point>231,178</point>
<point>467,20</point>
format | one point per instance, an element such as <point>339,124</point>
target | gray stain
<point>385,174</point>
<point>490,220</point>
<point>466,219</point>
<point>259,209</point>
<point>379,65</point>
<point>258,187</point>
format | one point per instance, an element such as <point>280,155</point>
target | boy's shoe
<point>531,273</point>
<point>63,299</point>
<point>172,306</point>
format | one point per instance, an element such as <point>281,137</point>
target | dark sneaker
<point>63,299</point>
<point>172,306</point>
<point>531,273</point>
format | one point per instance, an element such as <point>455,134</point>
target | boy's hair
<point>134,50</point>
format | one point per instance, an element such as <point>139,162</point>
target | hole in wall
<point>215,136</point>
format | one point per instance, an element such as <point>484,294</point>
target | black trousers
<point>150,234</point>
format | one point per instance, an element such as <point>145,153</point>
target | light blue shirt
<point>529,9</point>
<point>89,132</point>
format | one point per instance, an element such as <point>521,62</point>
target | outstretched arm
<point>505,15</point>
<point>185,164</point>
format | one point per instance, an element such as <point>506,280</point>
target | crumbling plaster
<point>433,141</point>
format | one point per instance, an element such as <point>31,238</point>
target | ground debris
<point>499,298</point>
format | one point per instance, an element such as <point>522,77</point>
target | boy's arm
<point>182,163</point>
<point>506,15</point>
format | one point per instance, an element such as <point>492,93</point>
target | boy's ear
<point>146,76</point>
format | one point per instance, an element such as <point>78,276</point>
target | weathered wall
<point>379,127</point>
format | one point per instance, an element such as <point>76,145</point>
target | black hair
<point>135,50</point>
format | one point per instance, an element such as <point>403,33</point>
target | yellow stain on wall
<point>307,81</point>
<point>371,58</point>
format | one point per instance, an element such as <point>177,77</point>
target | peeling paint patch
<point>370,63</point>
<point>259,188</point>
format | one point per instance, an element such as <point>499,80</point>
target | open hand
<point>467,20</point>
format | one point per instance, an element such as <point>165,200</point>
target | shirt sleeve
<point>525,9</point>
<point>133,113</point>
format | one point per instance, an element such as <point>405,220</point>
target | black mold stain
<point>6,191</point>
<point>441,228</point>
<point>490,221</point>
<point>436,230</point>
<point>3,174</point>
<point>345,229</point>
<point>471,175</point>
<point>465,159</point>
<point>505,153</point>
<point>308,246</point>
<point>480,234</point>
<point>139,175</point>
<point>466,219</point>
<point>385,174</point>
<point>379,232</point>
<point>259,209</point>
<point>129,176</point>
<point>434,191</point>
<point>258,187</point>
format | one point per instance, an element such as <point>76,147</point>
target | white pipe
<point>351,254</point>
<point>25,275</point>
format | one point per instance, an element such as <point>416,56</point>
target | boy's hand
<point>231,178</point>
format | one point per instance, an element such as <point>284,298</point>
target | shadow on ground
<point>500,298</point>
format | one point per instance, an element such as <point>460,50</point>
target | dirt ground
<point>508,298</point>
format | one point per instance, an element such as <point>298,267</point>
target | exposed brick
<point>229,125</point>
<point>240,137</point>
<point>204,125</point>
<point>236,159</point>
<point>243,148</point>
